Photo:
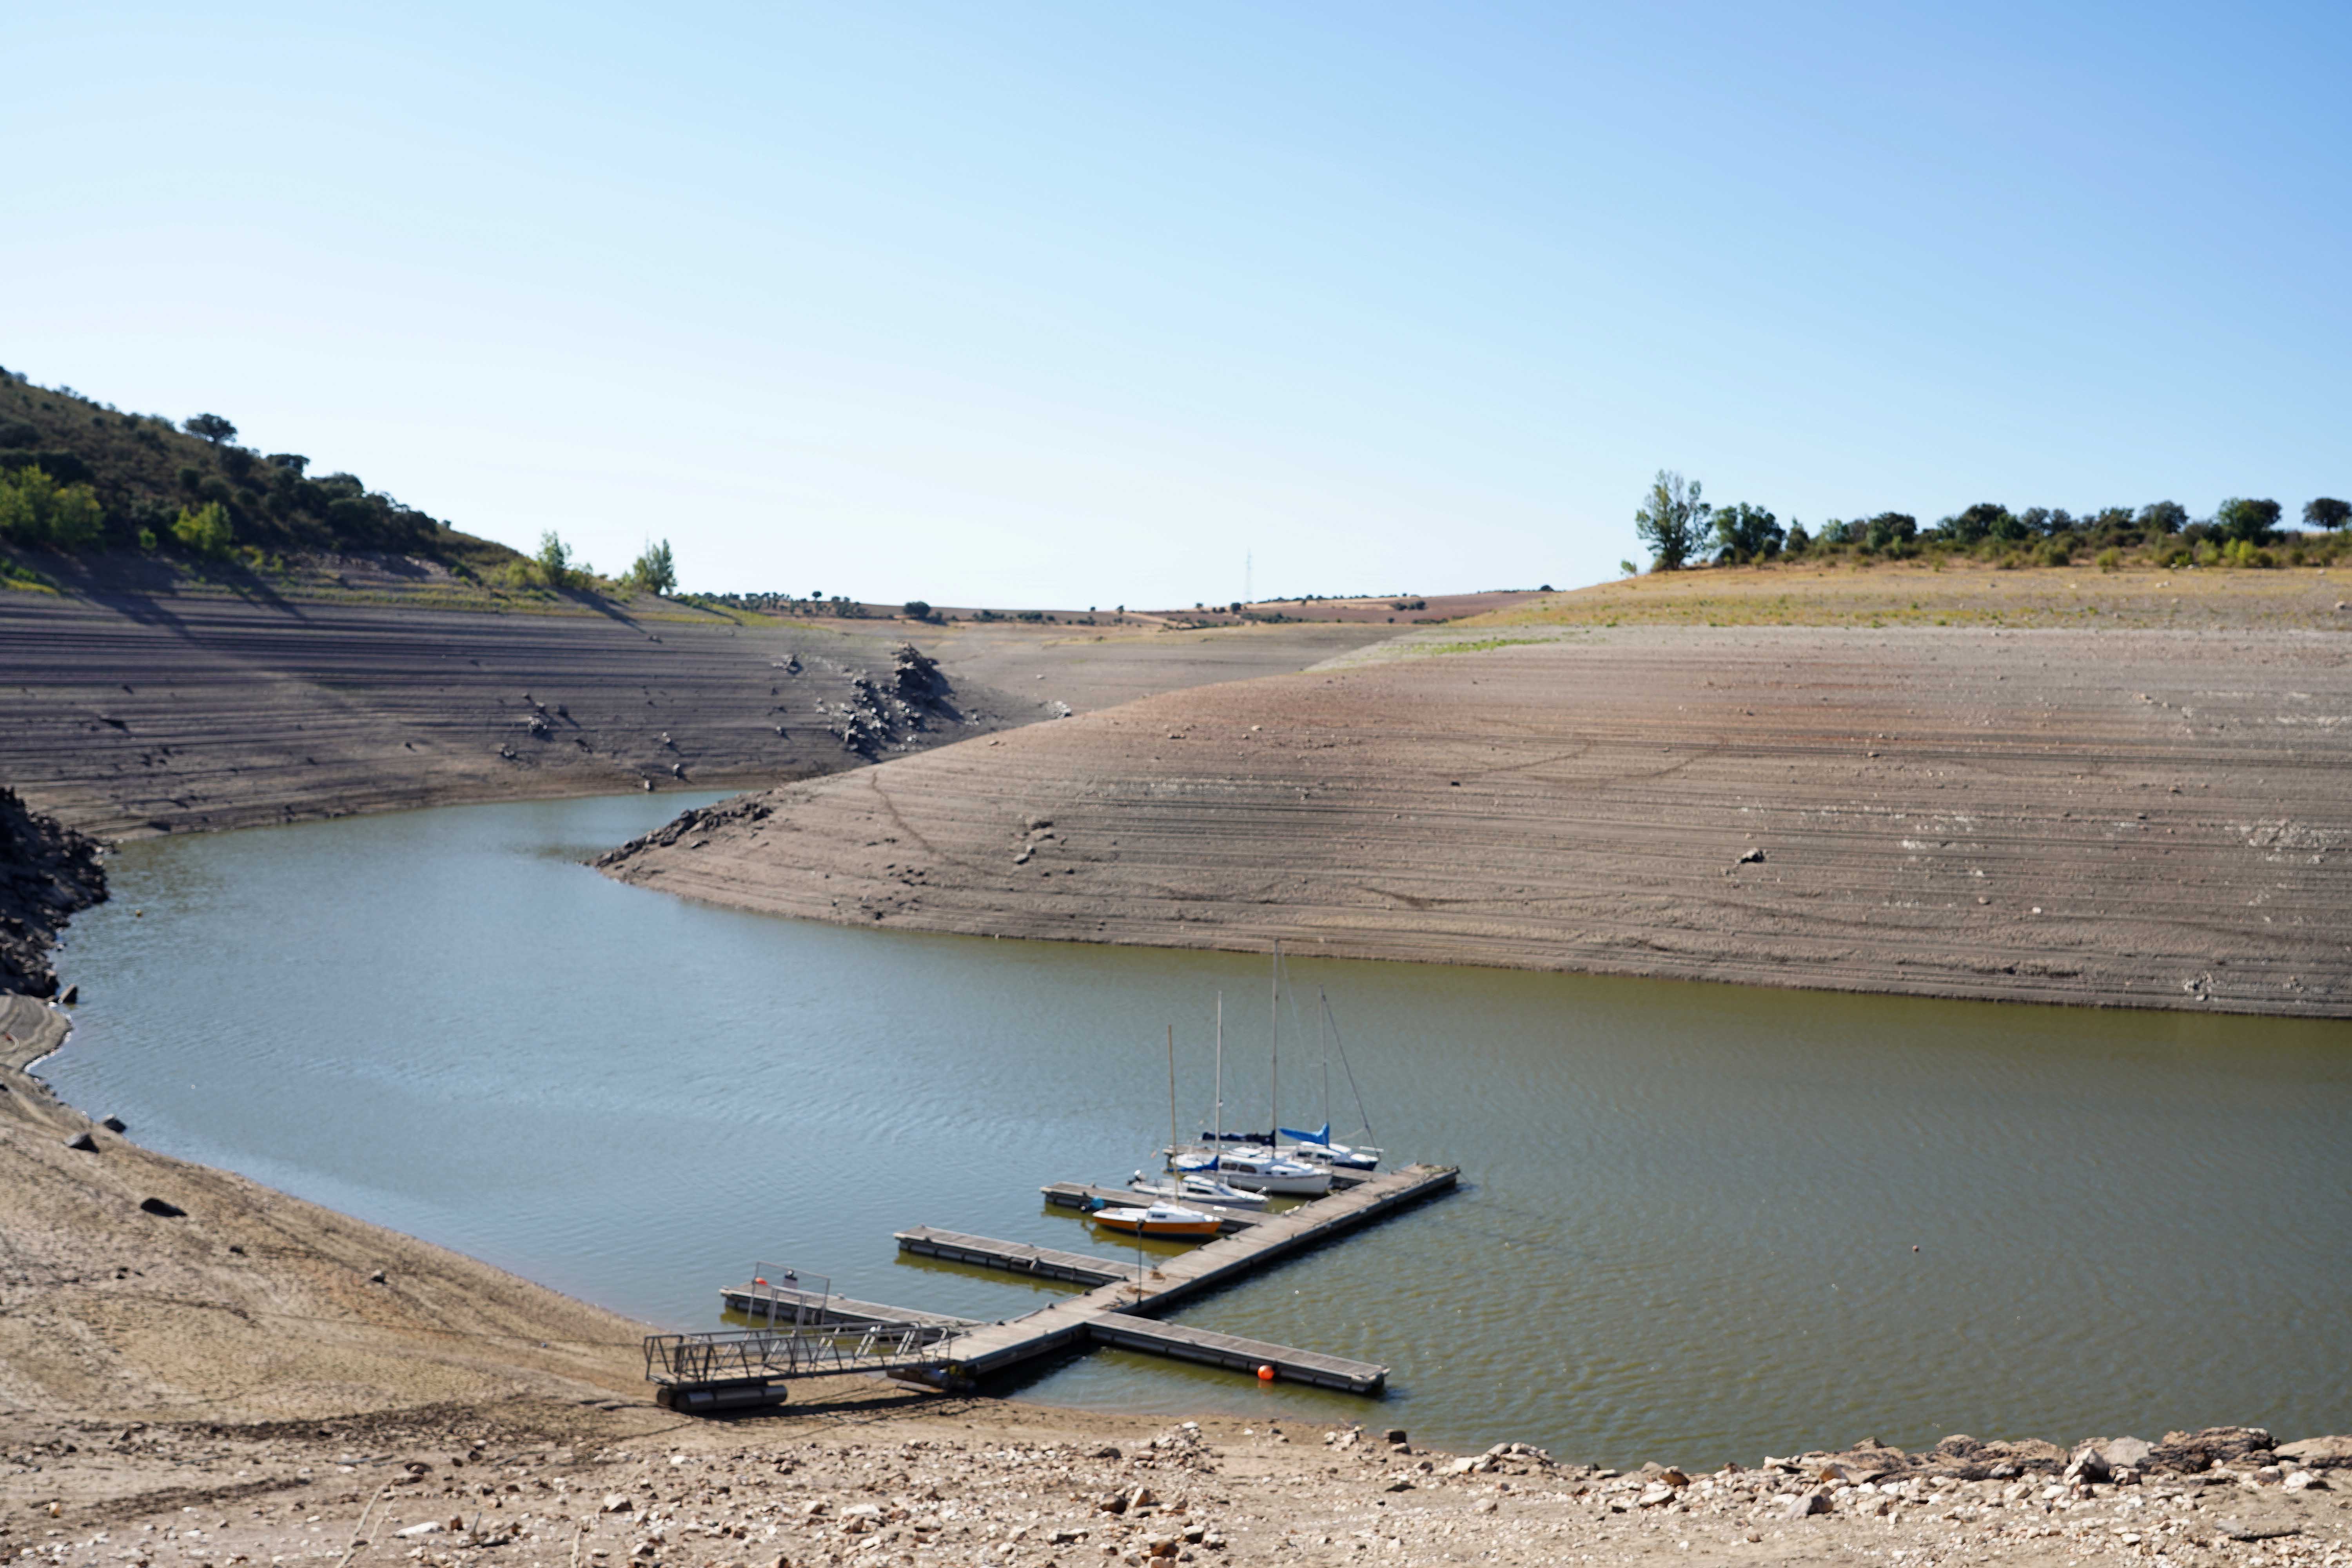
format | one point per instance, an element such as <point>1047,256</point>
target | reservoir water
<point>1698,1222</point>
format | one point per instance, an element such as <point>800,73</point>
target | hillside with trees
<point>84,478</point>
<point>1680,529</point>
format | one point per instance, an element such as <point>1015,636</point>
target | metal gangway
<point>741,1368</point>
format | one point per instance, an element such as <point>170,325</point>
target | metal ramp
<point>744,1368</point>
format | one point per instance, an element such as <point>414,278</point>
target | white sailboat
<point>1316,1148</point>
<point>1186,1181</point>
<point>1196,1187</point>
<point>1259,1168</point>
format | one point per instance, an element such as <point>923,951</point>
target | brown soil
<point>2142,818</point>
<point>126,714</point>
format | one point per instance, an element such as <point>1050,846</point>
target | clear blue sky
<point>1078,304</point>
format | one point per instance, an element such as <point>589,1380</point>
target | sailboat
<point>1316,1148</point>
<point>1259,1168</point>
<point>1195,1187</point>
<point>1190,1183</point>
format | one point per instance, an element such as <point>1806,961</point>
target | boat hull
<point>1134,1223</point>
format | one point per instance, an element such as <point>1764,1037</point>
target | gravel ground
<point>862,1475</point>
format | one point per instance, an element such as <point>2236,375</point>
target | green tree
<point>1672,522</point>
<point>2326,513</point>
<point>554,561</point>
<point>2164,517</point>
<point>917,610</point>
<point>1798,542</point>
<point>1981,521</point>
<point>1745,533</point>
<point>654,572</point>
<point>210,427</point>
<point>205,531</point>
<point>2240,518</point>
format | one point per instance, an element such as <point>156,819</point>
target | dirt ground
<point>858,1473</point>
<point>2152,818</point>
<point>126,715</point>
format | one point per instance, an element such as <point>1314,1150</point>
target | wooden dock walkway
<point>1078,1196</point>
<point>1014,1256</point>
<point>1167,1281</point>
<point>1129,1332</point>
<point>752,1299</point>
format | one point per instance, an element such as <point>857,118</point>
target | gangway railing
<point>748,1356</point>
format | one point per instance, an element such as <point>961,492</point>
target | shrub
<point>36,510</point>
<point>205,530</point>
<point>2110,558</point>
<point>2240,518</point>
<point>558,568</point>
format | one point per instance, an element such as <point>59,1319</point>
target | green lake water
<point>1697,1222</point>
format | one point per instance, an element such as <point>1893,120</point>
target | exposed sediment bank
<point>127,714</point>
<point>134,1286</point>
<point>2138,818</point>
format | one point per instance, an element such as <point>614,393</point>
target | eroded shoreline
<point>2145,819</point>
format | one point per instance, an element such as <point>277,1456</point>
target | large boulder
<point>2319,1452</point>
<point>2189,1452</point>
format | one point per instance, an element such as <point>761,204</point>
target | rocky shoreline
<point>863,1474</point>
<point>48,872</point>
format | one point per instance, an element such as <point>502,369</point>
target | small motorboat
<point>1261,1170</point>
<point>1182,1187</point>
<point>1160,1219</point>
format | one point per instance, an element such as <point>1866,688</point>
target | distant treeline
<point>81,476</point>
<point>1680,529</point>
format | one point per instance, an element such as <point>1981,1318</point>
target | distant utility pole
<point>1249,566</point>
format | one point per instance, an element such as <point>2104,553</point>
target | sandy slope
<point>126,714</point>
<point>2154,818</point>
<point>250,1304</point>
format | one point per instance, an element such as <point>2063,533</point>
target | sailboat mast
<point>1323,1032</point>
<point>1221,1069</point>
<point>1273,1063</point>
<point>1172,1144</point>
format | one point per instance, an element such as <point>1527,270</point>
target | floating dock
<point>832,1333</point>
<point>788,1305</point>
<point>1014,1256</point>
<point>1161,1284</point>
<point>1128,1333</point>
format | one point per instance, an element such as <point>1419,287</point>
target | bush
<point>2110,558</point>
<point>205,531</point>
<point>36,509</point>
<point>557,566</point>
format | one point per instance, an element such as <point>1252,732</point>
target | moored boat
<point>1187,1188</point>
<point>1160,1219</point>
<point>1261,1170</point>
<point>1316,1148</point>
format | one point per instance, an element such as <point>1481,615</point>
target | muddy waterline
<point>1697,1222</point>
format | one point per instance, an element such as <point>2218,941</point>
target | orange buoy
<point>763,1281</point>
<point>1265,1375</point>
